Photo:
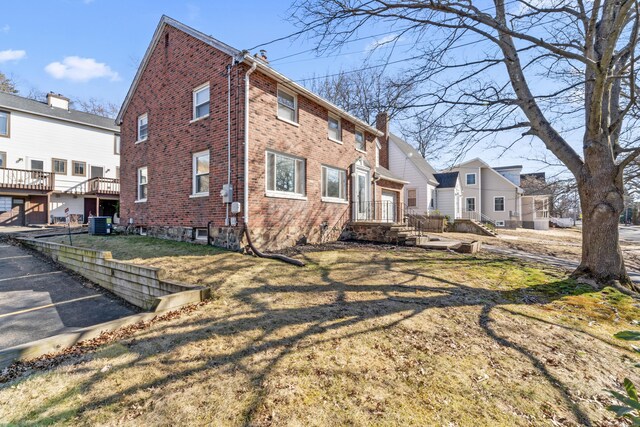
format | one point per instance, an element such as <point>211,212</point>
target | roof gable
<point>415,158</point>
<point>164,21</point>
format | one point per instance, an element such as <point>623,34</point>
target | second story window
<point>4,123</point>
<point>59,166</point>
<point>201,174</point>
<point>201,102</point>
<point>287,106</point>
<point>285,174</point>
<point>143,127</point>
<point>142,184</point>
<point>37,165</point>
<point>335,130</point>
<point>78,168</point>
<point>3,160</point>
<point>116,144</point>
<point>360,142</point>
<point>471,179</point>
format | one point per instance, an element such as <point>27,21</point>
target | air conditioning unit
<point>100,225</point>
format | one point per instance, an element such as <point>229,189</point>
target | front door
<point>362,210</point>
<point>388,211</point>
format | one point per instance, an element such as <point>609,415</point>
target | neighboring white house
<point>491,194</point>
<point>535,201</point>
<point>425,193</point>
<point>55,161</point>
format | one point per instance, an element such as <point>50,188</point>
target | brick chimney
<point>382,124</point>
<point>57,101</point>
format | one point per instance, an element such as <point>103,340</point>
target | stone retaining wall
<point>140,285</point>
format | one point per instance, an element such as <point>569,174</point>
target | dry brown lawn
<point>361,336</point>
<point>561,243</point>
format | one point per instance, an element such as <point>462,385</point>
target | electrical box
<point>235,207</point>
<point>227,193</point>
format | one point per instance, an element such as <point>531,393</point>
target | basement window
<point>499,223</point>
<point>202,234</point>
<point>142,231</point>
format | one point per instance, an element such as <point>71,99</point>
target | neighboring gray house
<point>491,194</point>
<point>424,193</point>
<point>535,201</point>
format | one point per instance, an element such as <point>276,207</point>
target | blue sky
<point>91,48</point>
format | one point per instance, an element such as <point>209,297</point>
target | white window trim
<point>416,190</point>
<point>296,122</point>
<point>504,203</point>
<point>475,208</point>
<point>475,179</point>
<point>140,117</point>
<point>117,144</point>
<point>138,199</point>
<point>206,236</point>
<point>193,102</point>
<point>193,173</point>
<point>337,118</point>
<point>322,187</point>
<point>284,194</point>
<point>364,140</point>
<point>500,223</point>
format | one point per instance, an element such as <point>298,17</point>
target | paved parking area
<point>38,301</point>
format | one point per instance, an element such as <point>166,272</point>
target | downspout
<point>226,220</point>
<point>246,142</point>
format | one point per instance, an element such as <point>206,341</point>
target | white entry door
<point>388,213</point>
<point>362,209</point>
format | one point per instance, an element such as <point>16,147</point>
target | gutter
<point>246,141</point>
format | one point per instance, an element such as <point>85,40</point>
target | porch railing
<point>390,212</point>
<point>477,216</point>
<point>21,179</point>
<point>97,185</point>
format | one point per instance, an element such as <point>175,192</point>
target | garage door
<point>11,211</point>
<point>388,206</point>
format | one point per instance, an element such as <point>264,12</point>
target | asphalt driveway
<point>37,300</point>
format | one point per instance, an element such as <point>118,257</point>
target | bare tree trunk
<point>601,198</point>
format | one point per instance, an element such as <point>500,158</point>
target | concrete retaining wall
<point>140,285</point>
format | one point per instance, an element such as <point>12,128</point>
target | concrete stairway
<point>472,226</point>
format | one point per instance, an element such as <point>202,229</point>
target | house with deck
<point>56,163</point>
<point>536,201</point>
<point>216,141</point>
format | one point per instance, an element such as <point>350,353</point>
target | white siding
<point>400,165</point>
<point>60,202</point>
<point>41,138</point>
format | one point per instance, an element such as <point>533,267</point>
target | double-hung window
<point>143,181</point>
<point>116,144</point>
<point>201,174</point>
<point>4,123</point>
<point>287,106</point>
<point>285,175</point>
<point>143,127</point>
<point>59,166</point>
<point>335,130</point>
<point>360,142</point>
<point>201,102</point>
<point>412,197</point>
<point>471,204</point>
<point>334,183</point>
<point>78,168</point>
<point>498,204</point>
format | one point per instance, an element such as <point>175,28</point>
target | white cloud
<point>80,69</point>
<point>11,55</point>
<point>5,29</point>
<point>381,42</point>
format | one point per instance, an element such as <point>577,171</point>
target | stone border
<point>139,285</point>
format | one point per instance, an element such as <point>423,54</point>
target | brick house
<point>213,138</point>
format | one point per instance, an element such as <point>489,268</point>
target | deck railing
<point>21,179</point>
<point>97,185</point>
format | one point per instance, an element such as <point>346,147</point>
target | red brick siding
<point>165,93</point>
<point>281,222</point>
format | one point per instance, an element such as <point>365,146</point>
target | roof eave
<point>78,122</point>
<point>266,69</point>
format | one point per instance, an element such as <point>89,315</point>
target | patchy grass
<point>363,336</point>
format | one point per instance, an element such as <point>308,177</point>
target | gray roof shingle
<point>10,102</point>
<point>446,179</point>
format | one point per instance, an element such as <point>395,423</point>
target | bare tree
<point>7,84</point>
<point>365,92</point>
<point>551,69</point>
<point>97,106</point>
